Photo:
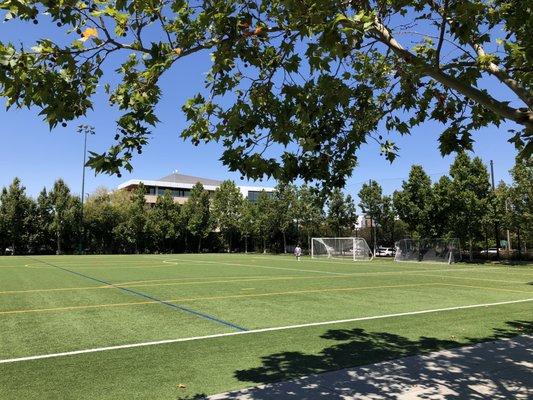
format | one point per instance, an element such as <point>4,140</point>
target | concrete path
<point>501,369</point>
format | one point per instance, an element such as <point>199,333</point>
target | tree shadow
<point>456,375</point>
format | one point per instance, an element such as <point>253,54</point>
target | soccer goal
<point>353,248</point>
<point>429,250</point>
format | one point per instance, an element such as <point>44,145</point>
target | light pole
<point>84,130</point>
<point>496,227</point>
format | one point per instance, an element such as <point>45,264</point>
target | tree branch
<point>500,108</point>
<point>441,34</point>
<point>524,95</point>
<point>492,68</point>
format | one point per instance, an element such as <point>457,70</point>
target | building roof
<point>179,178</point>
<point>180,181</point>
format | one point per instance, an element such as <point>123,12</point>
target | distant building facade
<point>180,186</point>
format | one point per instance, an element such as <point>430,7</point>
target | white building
<point>180,187</point>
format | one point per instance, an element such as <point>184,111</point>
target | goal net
<point>429,250</point>
<point>341,247</point>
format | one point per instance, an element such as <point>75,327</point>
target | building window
<point>253,195</point>
<point>173,192</point>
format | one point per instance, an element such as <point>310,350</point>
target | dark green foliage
<point>14,215</point>
<point>461,205</point>
<point>226,211</point>
<point>165,224</point>
<point>342,216</point>
<point>469,197</point>
<point>100,217</point>
<point>309,213</point>
<point>132,231</point>
<point>382,213</point>
<point>285,209</point>
<point>65,215</point>
<point>197,214</point>
<point>413,203</point>
<point>265,223</point>
<point>316,78</point>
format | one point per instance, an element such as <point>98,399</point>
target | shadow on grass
<point>452,376</point>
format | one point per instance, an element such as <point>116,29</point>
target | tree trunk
<point>392,233</point>
<point>199,244</point>
<point>58,243</point>
<point>372,236</point>
<point>487,244</point>
<point>264,246</point>
<point>246,244</point>
<point>470,250</point>
<point>284,243</point>
<point>519,244</point>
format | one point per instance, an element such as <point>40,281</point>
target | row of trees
<point>461,205</point>
<point>123,222</point>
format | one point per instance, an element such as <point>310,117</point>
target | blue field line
<point>134,292</point>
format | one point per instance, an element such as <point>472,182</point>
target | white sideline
<point>415,272</point>
<point>279,328</point>
<point>176,261</point>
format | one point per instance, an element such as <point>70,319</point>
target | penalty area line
<point>251,331</point>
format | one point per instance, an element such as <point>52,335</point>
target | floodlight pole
<point>496,227</point>
<point>84,129</point>
<point>372,227</point>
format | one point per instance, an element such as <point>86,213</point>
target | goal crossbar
<point>428,250</point>
<point>353,248</point>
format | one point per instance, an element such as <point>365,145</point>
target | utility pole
<point>372,226</point>
<point>84,130</point>
<point>508,233</point>
<point>496,227</point>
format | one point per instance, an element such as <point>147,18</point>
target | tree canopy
<point>312,79</point>
<point>226,209</point>
<point>461,205</point>
<point>414,202</point>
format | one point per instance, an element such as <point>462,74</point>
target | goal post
<point>352,248</point>
<point>428,250</point>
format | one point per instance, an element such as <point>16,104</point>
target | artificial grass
<point>251,291</point>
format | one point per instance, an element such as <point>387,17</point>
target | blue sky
<point>29,150</point>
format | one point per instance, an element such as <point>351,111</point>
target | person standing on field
<point>298,252</point>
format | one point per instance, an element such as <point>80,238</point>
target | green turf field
<point>58,304</point>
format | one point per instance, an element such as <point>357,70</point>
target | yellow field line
<point>253,295</point>
<point>487,288</point>
<point>185,299</point>
<point>232,280</point>
<point>467,278</point>
<point>259,278</point>
<point>134,284</point>
<point>195,278</point>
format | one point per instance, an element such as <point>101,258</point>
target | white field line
<point>423,268</point>
<point>273,329</point>
<point>176,261</point>
<point>378,273</point>
<point>390,263</point>
<point>414,272</point>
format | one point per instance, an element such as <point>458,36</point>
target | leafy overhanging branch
<point>316,79</point>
